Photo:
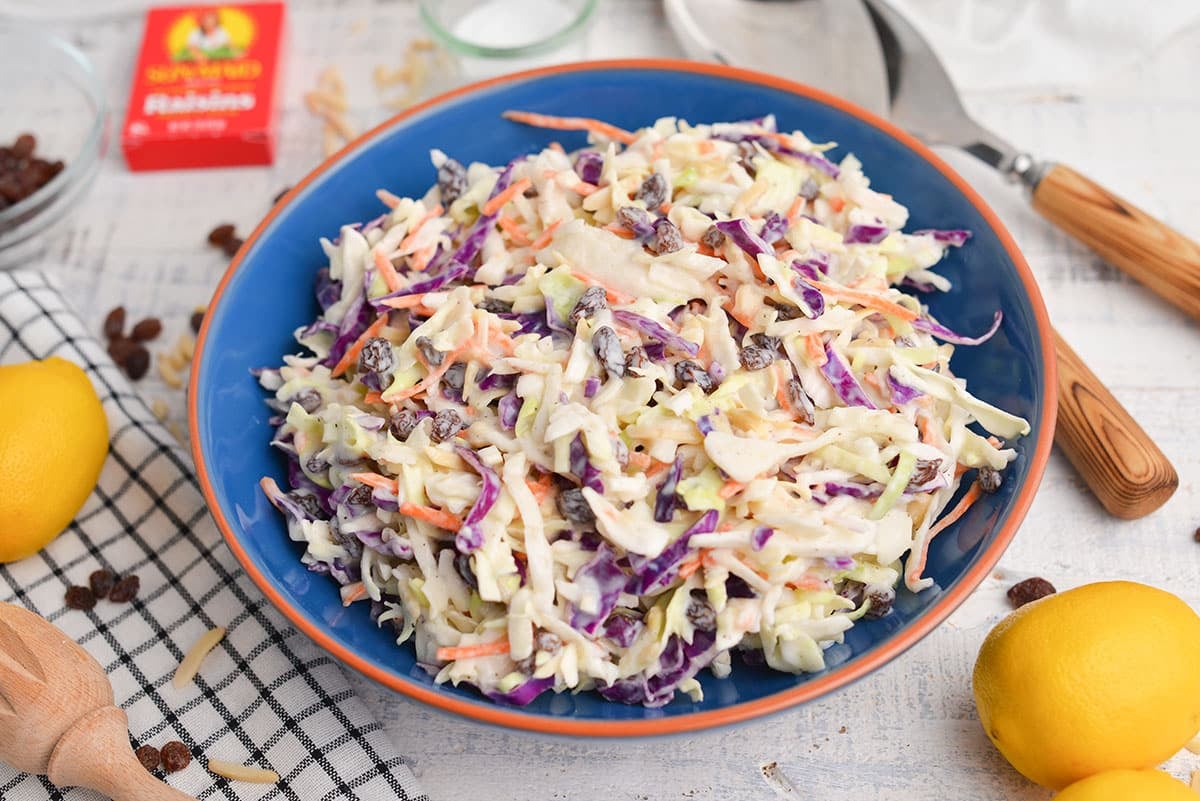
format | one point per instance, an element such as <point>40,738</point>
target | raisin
<point>881,599</point>
<point>196,321</point>
<point>148,755</point>
<point>637,358</point>
<point>636,220</point>
<point>689,372</point>
<point>653,191</point>
<point>1029,590</point>
<point>530,192</point>
<point>547,641</point>
<point>446,424</point>
<point>146,329</point>
<point>125,590</point>
<point>754,357</point>
<point>452,180</point>
<point>221,234</point>
<point>593,299</point>
<point>714,237</point>
<point>495,306</point>
<point>455,377</point>
<point>80,598</point>
<point>809,189</point>
<point>800,399</point>
<point>120,349</point>
<point>376,356</point>
<point>989,479</point>
<point>926,470</point>
<point>114,323</point>
<point>697,306</point>
<point>137,363</point>
<point>433,357</point>
<point>773,344</point>
<point>402,422</point>
<point>359,496</point>
<point>608,351</point>
<point>24,146</point>
<point>667,238</point>
<point>746,153</point>
<point>700,613</point>
<point>101,582</point>
<point>574,507</point>
<point>462,563</point>
<point>309,399</point>
<point>175,756</point>
<point>1196,535</point>
<point>231,246</point>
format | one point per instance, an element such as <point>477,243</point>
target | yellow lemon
<point>1128,785</point>
<point>1100,677</point>
<point>53,440</point>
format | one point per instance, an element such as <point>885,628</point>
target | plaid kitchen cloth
<point>266,696</point>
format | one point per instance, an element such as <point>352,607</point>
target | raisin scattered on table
<point>80,598</point>
<point>714,237</point>
<point>989,479</point>
<point>175,756</point>
<point>574,507</point>
<point>446,424</point>
<point>593,299</point>
<point>800,399</point>
<point>149,757</point>
<point>376,356</point>
<point>653,191</point>
<point>755,357</point>
<point>196,321</point>
<point>402,422</point>
<point>1029,590</point>
<point>1196,534</point>
<point>689,372</point>
<point>221,234</point>
<point>667,238</point>
<point>101,582</point>
<point>120,349</point>
<point>608,351</point>
<point>146,329</point>
<point>24,145</point>
<point>700,613</point>
<point>881,599</point>
<point>232,245</point>
<point>452,180</point>
<point>137,363</point>
<point>125,590</point>
<point>114,323</point>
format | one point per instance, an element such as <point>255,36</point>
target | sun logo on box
<point>211,33</point>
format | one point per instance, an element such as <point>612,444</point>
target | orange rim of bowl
<point>735,713</point>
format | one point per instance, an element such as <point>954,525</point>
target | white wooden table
<point>909,730</point>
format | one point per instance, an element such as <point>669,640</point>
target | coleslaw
<point>600,420</point>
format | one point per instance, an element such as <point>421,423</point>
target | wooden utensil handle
<point>95,753</point>
<point>1121,464</point>
<point>1160,257</point>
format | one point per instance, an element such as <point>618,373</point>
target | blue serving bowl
<point>267,293</point>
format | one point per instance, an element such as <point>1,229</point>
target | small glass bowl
<point>51,90</point>
<point>491,37</point>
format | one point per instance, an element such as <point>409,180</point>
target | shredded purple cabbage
<point>954,237</point>
<point>589,165</point>
<point>842,379</point>
<point>470,537</point>
<point>774,227</point>
<point>622,629</point>
<point>591,386</point>
<point>810,269</point>
<point>942,332</point>
<point>328,290</point>
<point>609,580</point>
<point>522,694</point>
<point>743,236</point>
<point>759,537</point>
<point>901,393</point>
<point>812,301</point>
<point>863,234</point>
<point>852,489</point>
<point>498,381</point>
<point>705,425</point>
<point>656,331</point>
<point>664,505</point>
<point>582,467</point>
<point>393,547</point>
<point>509,408</point>
<point>659,572</point>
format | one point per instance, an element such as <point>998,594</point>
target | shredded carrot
<point>959,469</point>
<point>353,592</point>
<point>705,250</point>
<point>351,354</point>
<point>584,188</point>
<point>571,124</point>
<point>373,397</point>
<point>547,233</point>
<point>837,204</point>
<point>516,232</point>
<point>541,488</point>
<point>430,379</point>
<point>613,295</point>
<point>730,488</point>
<point>808,583</point>
<point>420,260</point>
<point>438,517</point>
<point>814,348</point>
<point>793,212</point>
<point>639,459</point>
<point>384,266</point>
<point>689,566</point>
<point>500,199</point>
<point>387,198</point>
<point>665,208</point>
<point>924,425</point>
<point>406,243</point>
<point>377,481</point>
<point>492,648</point>
<point>405,301</point>
<point>656,469</point>
<point>917,566</point>
<point>872,380</point>
<point>657,150</point>
<point>619,230</point>
<point>557,146</point>
<point>781,390</point>
<point>866,300</point>
<point>706,146</point>
<point>995,442</point>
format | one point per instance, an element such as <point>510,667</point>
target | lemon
<point>1100,677</point>
<point>53,440</point>
<point>1128,785</point>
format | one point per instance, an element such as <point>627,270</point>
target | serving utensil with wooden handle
<point>58,718</point>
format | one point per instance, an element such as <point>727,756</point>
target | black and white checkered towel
<point>266,696</point>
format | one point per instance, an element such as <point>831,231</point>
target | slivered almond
<point>242,773</point>
<point>160,409</point>
<point>190,666</point>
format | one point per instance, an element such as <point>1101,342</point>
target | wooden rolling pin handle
<point>1121,464</point>
<point>95,753</point>
<point>1155,254</point>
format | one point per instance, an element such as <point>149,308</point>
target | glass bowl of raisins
<point>52,137</point>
